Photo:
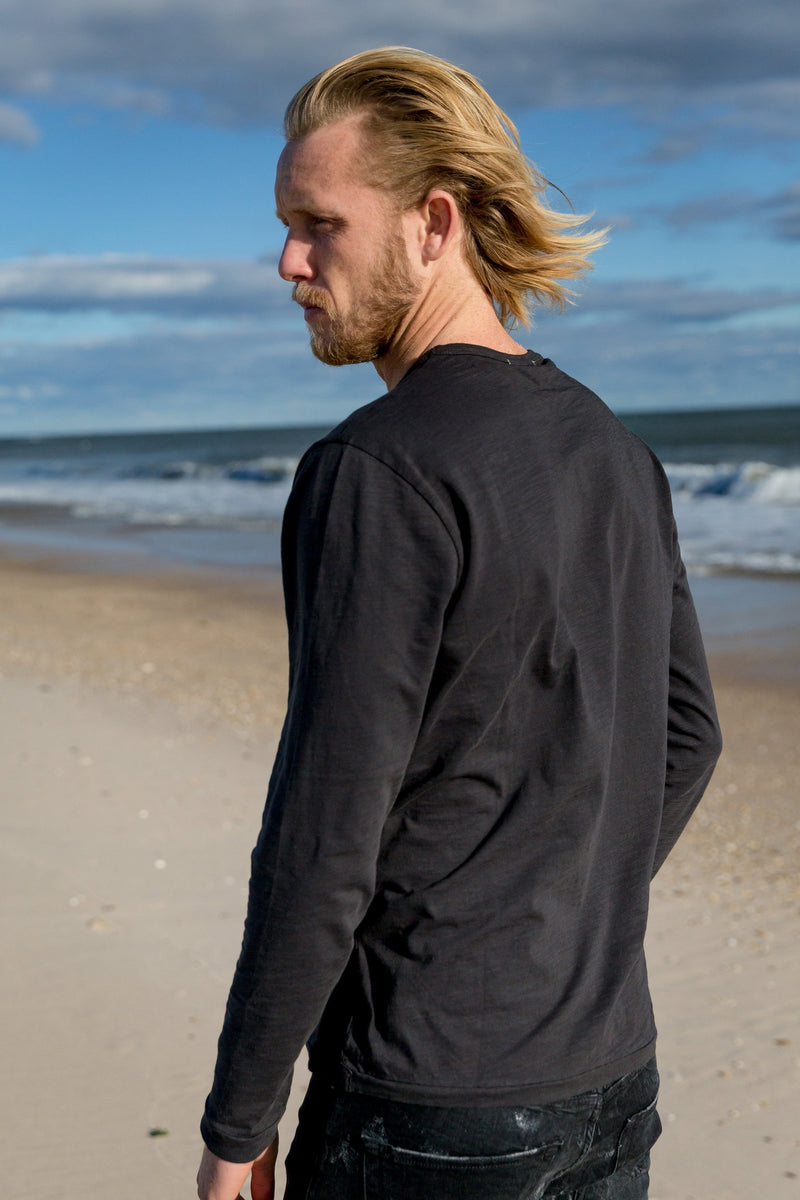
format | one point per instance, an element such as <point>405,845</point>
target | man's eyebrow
<point>298,210</point>
<point>315,213</point>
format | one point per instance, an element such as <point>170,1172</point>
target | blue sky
<point>138,243</point>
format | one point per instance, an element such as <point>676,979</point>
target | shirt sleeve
<point>369,568</point>
<point>693,736</point>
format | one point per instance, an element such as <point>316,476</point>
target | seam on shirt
<point>529,358</point>
<point>340,441</point>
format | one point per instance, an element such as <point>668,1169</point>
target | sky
<point>139,245</point>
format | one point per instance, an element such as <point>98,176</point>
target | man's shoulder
<point>459,396</point>
<point>468,422</point>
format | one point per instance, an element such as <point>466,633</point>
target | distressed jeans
<point>595,1146</point>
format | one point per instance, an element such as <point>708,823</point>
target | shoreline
<point>732,603</point>
<point>141,712</point>
<point>751,625</point>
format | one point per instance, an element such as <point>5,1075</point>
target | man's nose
<point>295,262</point>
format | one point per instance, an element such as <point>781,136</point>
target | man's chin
<point>335,354</point>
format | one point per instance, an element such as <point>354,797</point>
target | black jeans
<point>595,1146</point>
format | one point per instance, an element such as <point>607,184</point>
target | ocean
<point>216,497</point>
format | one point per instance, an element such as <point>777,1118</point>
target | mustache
<point>311,297</point>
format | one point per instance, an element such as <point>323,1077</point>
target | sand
<point>140,716</point>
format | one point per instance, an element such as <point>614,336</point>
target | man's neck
<point>442,321</point>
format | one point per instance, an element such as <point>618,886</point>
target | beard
<point>367,329</point>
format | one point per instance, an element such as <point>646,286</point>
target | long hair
<point>432,125</point>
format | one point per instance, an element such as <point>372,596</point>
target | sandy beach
<point>140,716</point>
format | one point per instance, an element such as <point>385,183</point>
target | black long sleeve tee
<point>499,721</point>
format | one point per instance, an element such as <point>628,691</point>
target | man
<point>499,715</point>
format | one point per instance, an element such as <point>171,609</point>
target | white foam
<point>213,500</point>
<point>731,517</point>
<point>759,482</point>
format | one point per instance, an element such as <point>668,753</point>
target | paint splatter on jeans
<point>595,1146</point>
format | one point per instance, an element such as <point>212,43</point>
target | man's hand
<point>220,1180</point>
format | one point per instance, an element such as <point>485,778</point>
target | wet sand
<point>140,716</point>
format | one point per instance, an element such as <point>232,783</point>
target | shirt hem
<point>526,1095</point>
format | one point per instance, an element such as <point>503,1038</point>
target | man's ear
<point>441,225</point>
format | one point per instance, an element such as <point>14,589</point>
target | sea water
<point>206,497</point>
<point>216,497</point>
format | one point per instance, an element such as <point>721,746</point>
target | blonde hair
<point>432,125</point>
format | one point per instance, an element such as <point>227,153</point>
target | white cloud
<point>246,374</point>
<point>251,376</point>
<point>783,210</point>
<point>658,344</point>
<point>661,365</point>
<point>239,62</point>
<point>667,301</point>
<point>778,213</point>
<point>190,290</point>
<point>137,284</point>
<point>17,126</point>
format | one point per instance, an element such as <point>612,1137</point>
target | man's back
<point>480,570</point>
